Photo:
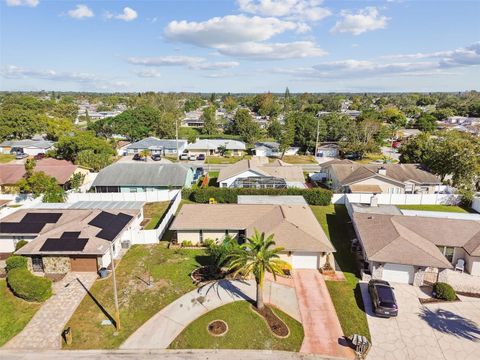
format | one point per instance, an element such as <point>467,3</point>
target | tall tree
<point>244,125</point>
<point>209,117</point>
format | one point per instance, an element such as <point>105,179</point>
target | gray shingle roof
<point>127,174</point>
<point>41,144</point>
<point>213,144</point>
<point>153,142</point>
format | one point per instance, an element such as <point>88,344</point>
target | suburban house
<point>212,147</point>
<point>61,170</point>
<point>329,150</point>
<point>259,173</point>
<point>34,146</point>
<point>156,146</point>
<point>62,240</point>
<point>415,249</point>
<point>193,118</point>
<point>142,177</point>
<point>295,228</point>
<point>348,176</point>
<point>272,149</point>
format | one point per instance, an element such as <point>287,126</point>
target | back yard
<point>153,213</point>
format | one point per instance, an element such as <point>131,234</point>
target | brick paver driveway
<point>45,329</point>
<point>441,331</point>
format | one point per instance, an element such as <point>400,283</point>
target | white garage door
<point>304,261</point>
<point>398,273</point>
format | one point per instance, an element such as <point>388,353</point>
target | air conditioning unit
<point>126,244</point>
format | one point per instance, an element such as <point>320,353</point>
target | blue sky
<point>239,46</point>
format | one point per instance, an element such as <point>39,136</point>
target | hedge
<point>315,196</point>
<point>27,286</point>
<point>15,262</point>
<point>444,291</point>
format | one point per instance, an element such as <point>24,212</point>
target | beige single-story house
<point>34,146</point>
<point>259,173</point>
<point>351,177</point>
<point>62,240</point>
<point>211,147</point>
<point>416,249</point>
<point>295,228</point>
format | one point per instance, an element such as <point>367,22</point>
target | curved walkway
<point>160,330</point>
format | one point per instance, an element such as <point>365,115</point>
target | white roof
<point>215,143</point>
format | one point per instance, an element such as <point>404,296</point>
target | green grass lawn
<point>299,159</point>
<point>154,211</point>
<point>5,158</point>
<point>212,178</point>
<point>15,313</point>
<point>170,269</point>
<point>346,295</point>
<point>213,160</point>
<point>246,330</point>
<point>442,208</point>
<point>371,157</point>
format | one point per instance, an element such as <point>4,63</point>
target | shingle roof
<point>295,226</point>
<point>213,144</point>
<point>142,174</point>
<point>61,170</point>
<point>41,144</point>
<point>153,142</point>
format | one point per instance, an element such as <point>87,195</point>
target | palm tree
<point>257,256</point>
<point>144,154</point>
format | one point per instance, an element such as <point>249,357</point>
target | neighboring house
<point>211,147</point>
<point>61,170</point>
<point>295,228</point>
<point>32,146</point>
<point>142,177</point>
<point>415,249</point>
<point>62,240</point>
<point>157,146</point>
<point>193,118</point>
<point>348,176</point>
<point>272,149</point>
<point>259,173</point>
<point>328,151</point>
<point>121,147</point>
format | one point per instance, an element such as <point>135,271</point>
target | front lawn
<point>246,330</point>
<point>299,159</point>
<point>170,270</point>
<point>5,158</point>
<point>346,295</point>
<point>215,160</point>
<point>15,313</point>
<point>154,211</point>
<point>442,208</point>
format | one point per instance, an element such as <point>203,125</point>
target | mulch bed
<point>468,294</point>
<point>434,300</point>
<point>276,325</point>
<point>206,273</point>
<point>217,328</point>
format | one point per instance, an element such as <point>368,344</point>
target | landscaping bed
<point>206,273</point>
<point>276,325</point>
<point>217,328</point>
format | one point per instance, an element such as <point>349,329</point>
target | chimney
<point>382,171</point>
<point>374,200</point>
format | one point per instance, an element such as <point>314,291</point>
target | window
<point>448,252</point>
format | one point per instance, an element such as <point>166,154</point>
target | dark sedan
<point>383,298</point>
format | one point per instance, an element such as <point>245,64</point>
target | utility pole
<point>115,295</point>
<point>316,142</point>
<point>176,137</point>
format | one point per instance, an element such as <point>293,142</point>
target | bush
<point>187,243</point>
<point>20,244</point>
<point>27,286</point>
<point>16,262</point>
<point>444,291</point>
<point>315,196</point>
<point>209,242</point>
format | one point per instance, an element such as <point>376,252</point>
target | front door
<point>37,264</point>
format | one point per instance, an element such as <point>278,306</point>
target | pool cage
<point>260,182</point>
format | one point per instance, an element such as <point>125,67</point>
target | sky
<point>239,46</point>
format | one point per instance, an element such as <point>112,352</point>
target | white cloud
<point>273,51</point>
<point>215,65</point>
<point>147,73</point>
<point>367,19</point>
<point>231,29</point>
<point>81,11</point>
<point>171,60</point>
<point>128,14</point>
<point>29,3</point>
<point>306,10</point>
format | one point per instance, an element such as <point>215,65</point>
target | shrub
<point>27,286</point>
<point>444,291</point>
<point>315,196</point>
<point>208,242</point>
<point>187,243</point>
<point>20,244</point>
<point>16,262</point>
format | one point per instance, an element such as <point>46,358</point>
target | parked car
<point>138,157</point>
<point>39,156</point>
<point>383,298</point>
<point>201,157</point>
<point>192,158</point>
<point>184,156</point>
<point>20,155</point>
<point>156,157</point>
<point>200,171</point>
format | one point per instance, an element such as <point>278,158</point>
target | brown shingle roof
<point>61,170</point>
<point>295,226</point>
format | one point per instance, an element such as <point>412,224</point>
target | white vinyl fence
<point>476,205</point>
<point>149,196</point>
<point>399,199</point>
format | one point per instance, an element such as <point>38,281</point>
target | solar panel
<point>110,224</point>
<point>20,228</point>
<point>41,218</point>
<point>64,244</point>
<point>70,235</point>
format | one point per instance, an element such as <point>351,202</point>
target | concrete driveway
<point>441,331</point>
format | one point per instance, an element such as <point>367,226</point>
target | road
<point>217,167</point>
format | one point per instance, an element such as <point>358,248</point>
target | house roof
<point>37,143</point>
<point>79,224</point>
<point>61,170</point>
<point>413,240</point>
<point>153,142</point>
<point>295,226</point>
<point>213,144</point>
<point>360,188</point>
<point>278,169</point>
<point>268,144</point>
<point>142,174</point>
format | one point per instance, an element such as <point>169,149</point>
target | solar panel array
<point>110,224</point>
<point>31,223</point>
<point>64,244</point>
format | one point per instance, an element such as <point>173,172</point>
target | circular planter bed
<point>276,325</point>
<point>217,328</point>
<point>206,273</point>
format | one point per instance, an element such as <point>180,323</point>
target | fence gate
<point>430,277</point>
